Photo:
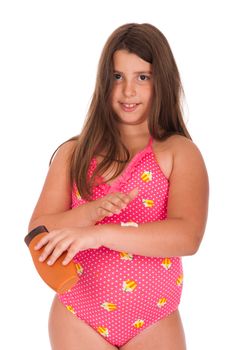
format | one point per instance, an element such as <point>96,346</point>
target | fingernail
<point>41,258</point>
<point>49,262</point>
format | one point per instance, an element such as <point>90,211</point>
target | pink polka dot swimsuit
<point>119,294</point>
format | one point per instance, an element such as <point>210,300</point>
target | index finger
<point>133,193</point>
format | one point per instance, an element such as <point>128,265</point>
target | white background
<point>49,55</point>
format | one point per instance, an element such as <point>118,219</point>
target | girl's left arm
<point>181,232</point>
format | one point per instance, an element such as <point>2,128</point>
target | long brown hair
<point>100,132</point>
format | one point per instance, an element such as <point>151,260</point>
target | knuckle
<point>108,206</point>
<point>127,199</point>
<point>100,211</point>
<point>117,201</point>
<point>43,241</point>
<point>124,196</point>
<point>47,249</point>
<point>55,253</point>
<point>60,246</point>
<point>116,210</point>
<point>72,250</point>
<point>118,193</point>
<point>69,255</point>
<point>104,203</point>
<point>112,207</point>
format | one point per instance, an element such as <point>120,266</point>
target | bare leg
<point>166,334</point>
<point>67,332</point>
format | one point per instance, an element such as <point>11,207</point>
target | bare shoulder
<point>176,151</point>
<point>175,143</point>
<point>64,152</point>
<point>185,153</point>
<point>179,140</point>
<point>55,196</point>
<point>59,172</point>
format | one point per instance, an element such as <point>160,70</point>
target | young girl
<point>126,199</point>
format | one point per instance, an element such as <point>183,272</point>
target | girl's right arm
<point>53,207</point>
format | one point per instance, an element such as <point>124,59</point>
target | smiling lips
<point>129,107</point>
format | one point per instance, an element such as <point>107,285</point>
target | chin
<point>131,121</point>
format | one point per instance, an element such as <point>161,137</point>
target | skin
<point>179,160</point>
<point>132,85</point>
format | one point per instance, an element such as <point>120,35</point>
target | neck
<point>130,132</point>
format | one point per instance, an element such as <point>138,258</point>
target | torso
<point>145,289</point>
<point>163,152</point>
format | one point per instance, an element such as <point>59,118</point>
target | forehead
<point>125,61</point>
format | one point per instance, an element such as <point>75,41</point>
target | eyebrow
<point>141,72</point>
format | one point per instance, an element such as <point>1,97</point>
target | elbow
<point>193,249</point>
<point>194,243</point>
<point>39,221</point>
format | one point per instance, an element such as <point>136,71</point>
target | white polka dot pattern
<point>120,294</point>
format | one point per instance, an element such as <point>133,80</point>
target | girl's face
<point>132,91</point>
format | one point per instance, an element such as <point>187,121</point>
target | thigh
<point>67,332</point>
<point>165,334</point>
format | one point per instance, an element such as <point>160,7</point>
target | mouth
<point>129,107</point>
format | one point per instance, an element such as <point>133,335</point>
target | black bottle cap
<point>33,233</point>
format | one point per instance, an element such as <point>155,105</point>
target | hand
<point>71,240</point>
<point>111,204</point>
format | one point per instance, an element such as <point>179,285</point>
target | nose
<point>129,89</point>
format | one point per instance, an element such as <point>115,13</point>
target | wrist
<point>85,216</point>
<point>101,232</point>
<point>91,213</point>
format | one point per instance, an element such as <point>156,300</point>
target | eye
<point>117,76</point>
<point>144,77</point>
